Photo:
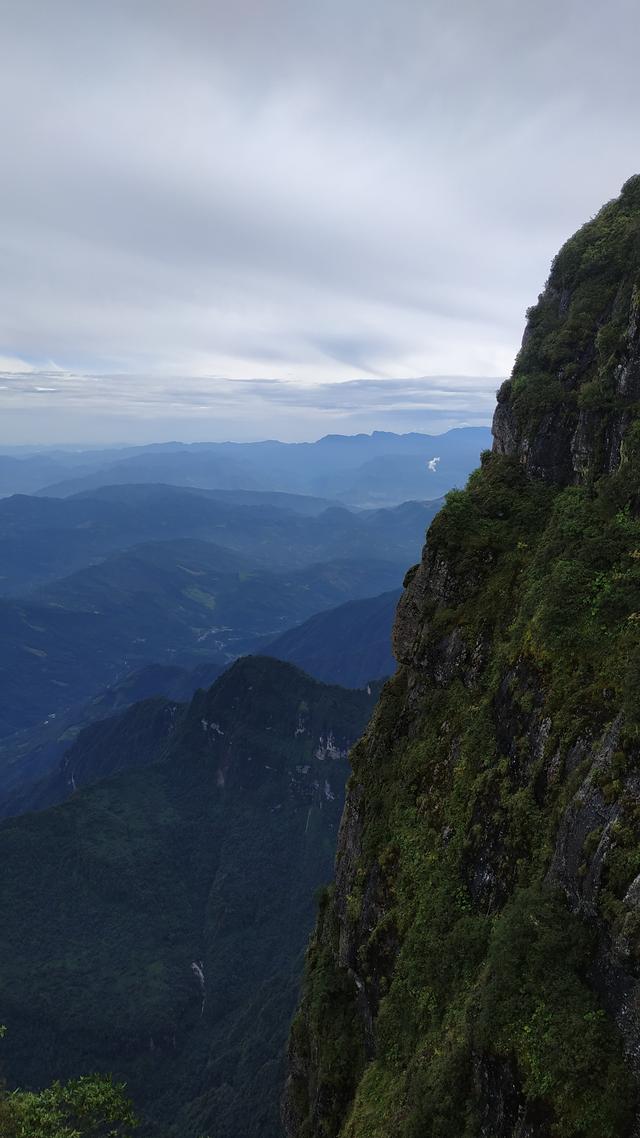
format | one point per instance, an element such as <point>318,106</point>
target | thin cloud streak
<point>80,408</point>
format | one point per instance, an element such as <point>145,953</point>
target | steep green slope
<point>475,969</point>
<point>154,925</point>
<point>348,645</point>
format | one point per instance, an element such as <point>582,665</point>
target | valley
<point>319,569</point>
<point>158,919</point>
<point>186,827</point>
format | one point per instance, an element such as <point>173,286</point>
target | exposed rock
<point>586,814</point>
<point>481,955</point>
<point>505,1112</point>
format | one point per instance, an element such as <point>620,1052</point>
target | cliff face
<point>570,402</point>
<point>475,967</point>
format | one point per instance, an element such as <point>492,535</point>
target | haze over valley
<point>319,569</point>
<point>131,578</point>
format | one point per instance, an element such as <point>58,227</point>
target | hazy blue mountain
<point>133,738</point>
<point>28,756</point>
<point>348,645</point>
<point>154,925</point>
<point>362,470</point>
<point>170,680</point>
<point>162,602</point>
<point>26,475</point>
<point>407,466</point>
<point>185,467</point>
<point>45,538</point>
<point>152,606</point>
<point>23,470</point>
<point>304,504</point>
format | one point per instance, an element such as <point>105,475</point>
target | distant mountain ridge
<point>359,470</point>
<point>162,602</point>
<point>153,577</point>
<point>45,538</point>
<point>348,645</point>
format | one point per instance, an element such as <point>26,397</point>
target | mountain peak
<point>568,408</point>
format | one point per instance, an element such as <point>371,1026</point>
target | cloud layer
<point>62,407</point>
<point>291,191</point>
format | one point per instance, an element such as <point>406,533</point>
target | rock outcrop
<point>475,971</point>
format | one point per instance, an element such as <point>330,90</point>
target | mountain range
<point>347,645</point>
<point>165,602</point>
<point>154,924</point>
<point>380,469</point>
<point>150,577</point>
<point>47,538</point>
<point>474,971</point>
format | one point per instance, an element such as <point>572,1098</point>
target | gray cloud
<point>311,192</point>
<point>145,408</point>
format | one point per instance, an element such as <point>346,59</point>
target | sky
<point>249,219</point>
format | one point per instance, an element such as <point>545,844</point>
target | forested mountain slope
<point>154,925</point>
<point>135,738</point>
<point>161,602</point>
<point>348,645</point>
<point>475,969</point>
<point>42,539</point>
<point>28,756</point>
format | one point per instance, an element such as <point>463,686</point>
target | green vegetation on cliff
<point>475,968</point>
<point>89,1107</point>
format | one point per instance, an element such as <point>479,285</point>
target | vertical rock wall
<point>475,968</point>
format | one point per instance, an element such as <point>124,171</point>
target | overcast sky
<point>232,218</point>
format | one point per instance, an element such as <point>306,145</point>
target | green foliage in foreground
<point>89,1107</point>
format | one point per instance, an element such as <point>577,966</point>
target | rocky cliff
<point>475,967</point>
